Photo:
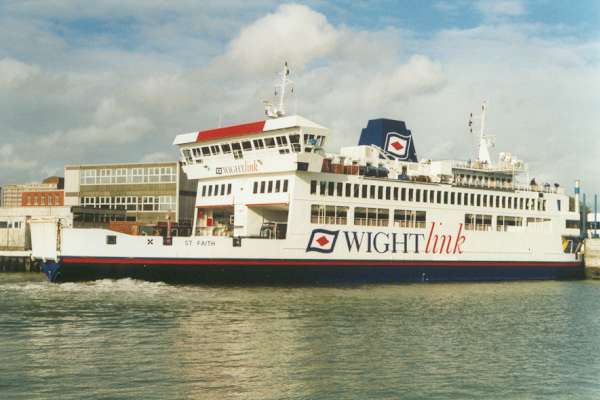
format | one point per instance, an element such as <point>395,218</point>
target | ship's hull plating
<point>304,272</point>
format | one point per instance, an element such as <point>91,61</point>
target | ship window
<point>210,190</point>
<point>452,198</point>
<point>478,222</point>
<point>364,191</point>
<point>395,194</point>
<point>360,216</point>
<point>371,192</point>
<point>510,202</point>
<point>295,142</point>
<point>270,187</point>
<point>388,193</point>
<point>409,219</point>
<point>111,239</point>
<point>330,188</point>
<point>339,189</point>
<point>281,141</point>
<point>322,188</point>
<point>503,201</point>
<point>205,151</point>
<point>459,198</point>
<point>277,186</point>
<point>439,197</point>
<point>485,200</point>
<point>262,186</point>
<point>203,191</point>
<point>348,189</point>
<point>410,195</point>
<point>285,185</point>
<point>478,200</point>
<point>380,192</point>
<point>229,188</point>
<point>226,148</point>
<point>270,142</point>
<point>236,146</point>
<point>313,187</point>
<point>222,189</point>
<point>356,193</point>
<point>504,223</point>
<point>255,188</point>
<point>417,195</point>
<point>216,190</point>
<point>215,149</point>
<point>246,145</point>
<point>445,197</point>
<point>403,194</point>
<point>472,199</point>
<point>258,144</point>
<point>425,194</point>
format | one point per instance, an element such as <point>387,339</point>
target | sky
<point>115,81</point>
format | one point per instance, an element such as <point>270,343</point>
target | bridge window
<point>246,145</point>
<point>226,147</point>
<point>270,142</point>
<point>258,144</point>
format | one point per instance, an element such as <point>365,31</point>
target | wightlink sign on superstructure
<point>432,242</point>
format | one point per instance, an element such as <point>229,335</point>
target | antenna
<point>280,90</point>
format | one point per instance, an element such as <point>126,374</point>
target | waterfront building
<point>49,193</point>
<point>149,193</point>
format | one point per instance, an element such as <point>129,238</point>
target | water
<point>131,340</point>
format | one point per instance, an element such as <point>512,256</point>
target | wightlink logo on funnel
<point>434,241</point>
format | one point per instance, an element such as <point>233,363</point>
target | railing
<point>325,220</point>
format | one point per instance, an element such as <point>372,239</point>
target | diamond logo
<point>322,241</point>
<point>397,145</point>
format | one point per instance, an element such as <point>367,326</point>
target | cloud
<point>120,91</point>
<point>294,33</point>
<point>511,8</point>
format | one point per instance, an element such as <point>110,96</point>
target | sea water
<point>128,339</point>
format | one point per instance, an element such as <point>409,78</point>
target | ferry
<point>274,207</point>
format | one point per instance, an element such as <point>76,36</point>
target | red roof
<point>230,131</point>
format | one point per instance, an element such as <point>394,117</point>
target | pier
<point>18,261</point>
<point>592,258</point>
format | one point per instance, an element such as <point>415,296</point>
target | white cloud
<point>105,102</point>
<point>14,73</point>
<point>294,33</point>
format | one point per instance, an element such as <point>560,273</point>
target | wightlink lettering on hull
<point>432,242</point>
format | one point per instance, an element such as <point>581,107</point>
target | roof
<point>245,129</point>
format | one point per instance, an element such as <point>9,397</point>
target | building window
<point>104,176</point>
<point>120,175</point>
<point>153,175</point>
<point>166,203</point>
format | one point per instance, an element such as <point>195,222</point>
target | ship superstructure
<point>273,206</point>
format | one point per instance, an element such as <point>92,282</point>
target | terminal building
<point>145,193</point>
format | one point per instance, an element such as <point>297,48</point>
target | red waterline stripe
<point>167,261</point>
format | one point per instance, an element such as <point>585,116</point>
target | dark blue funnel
<point>392,136</point>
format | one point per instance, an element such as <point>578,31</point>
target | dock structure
<point>592,258</point>
<point>18,261</point>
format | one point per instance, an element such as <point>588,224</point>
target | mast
<point>485,140</point>
<point>280,90</point>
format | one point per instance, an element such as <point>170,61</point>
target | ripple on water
<point>131,339</point>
